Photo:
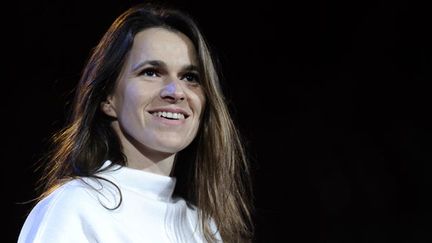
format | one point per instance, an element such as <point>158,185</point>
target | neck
<point>143,158</point>
<point>161,165</point>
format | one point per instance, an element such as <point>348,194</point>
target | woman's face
<point>158,100</point>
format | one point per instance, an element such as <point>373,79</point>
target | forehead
<point>162,44</point>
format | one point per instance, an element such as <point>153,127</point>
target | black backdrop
<point>331,96</point>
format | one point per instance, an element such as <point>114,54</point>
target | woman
<point>150,153</point>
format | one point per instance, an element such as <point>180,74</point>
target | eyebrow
<point>158,63</point>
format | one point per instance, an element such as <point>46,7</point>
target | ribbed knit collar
<point>149,184</point>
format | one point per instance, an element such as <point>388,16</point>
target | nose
<point>173,92</point>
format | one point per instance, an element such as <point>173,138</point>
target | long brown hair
<point>212,172</point>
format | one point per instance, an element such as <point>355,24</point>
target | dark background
<point>333,98</point>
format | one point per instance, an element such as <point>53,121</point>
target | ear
<point>107,107</point>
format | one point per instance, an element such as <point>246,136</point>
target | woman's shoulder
<point>65,207</point>
<point>75,197</point>
<point>71,196</point>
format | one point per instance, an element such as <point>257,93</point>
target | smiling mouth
<point>169,115</point>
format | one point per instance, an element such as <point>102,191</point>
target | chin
<point>171,148</point>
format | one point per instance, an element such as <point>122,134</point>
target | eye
<point>149,72</point>
<point>191,77</point>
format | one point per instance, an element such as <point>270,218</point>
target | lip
<point>170,109</point>
<point>168,121</point>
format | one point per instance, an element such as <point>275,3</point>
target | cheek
<point>199,100</point>
<point>135,97</point>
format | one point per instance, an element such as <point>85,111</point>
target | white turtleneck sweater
<point>82,211</point>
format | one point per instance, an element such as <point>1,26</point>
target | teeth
<point>170,115</point>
